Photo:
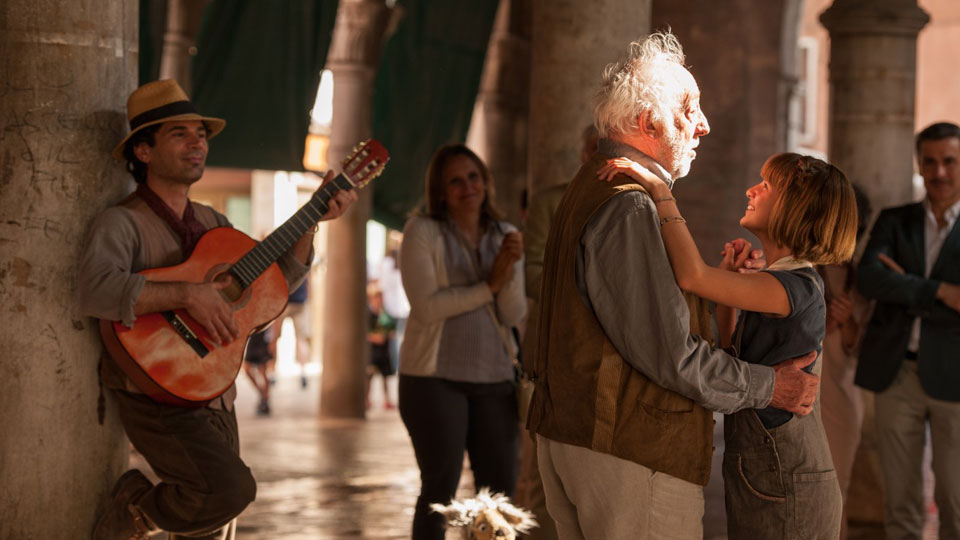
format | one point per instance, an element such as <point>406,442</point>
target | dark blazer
<point>899,233</point>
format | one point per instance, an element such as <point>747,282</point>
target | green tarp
<point>258,66</point>
<point>425,88</point>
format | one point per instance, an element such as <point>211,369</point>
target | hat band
<point>165,111</point>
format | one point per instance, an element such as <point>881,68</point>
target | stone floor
<point>327,480</point>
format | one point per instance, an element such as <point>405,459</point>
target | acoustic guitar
<point>169,356</point>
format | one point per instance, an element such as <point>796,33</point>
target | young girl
<point>779,479</point>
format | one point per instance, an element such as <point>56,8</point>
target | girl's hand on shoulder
<point>641,174</point>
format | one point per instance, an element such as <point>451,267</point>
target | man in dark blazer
<point>911,350</point>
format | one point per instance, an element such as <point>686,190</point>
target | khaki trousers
<point>591,495</point>
<point>529,493</point>
<point>903,411</point>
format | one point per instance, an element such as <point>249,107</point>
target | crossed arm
<point>434,303</point>
<point>882,278</point>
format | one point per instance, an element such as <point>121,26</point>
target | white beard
<point>674,158</point>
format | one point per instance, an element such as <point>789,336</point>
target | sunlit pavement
<point>324,480</point>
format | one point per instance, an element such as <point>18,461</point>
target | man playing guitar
<point>194,450</point>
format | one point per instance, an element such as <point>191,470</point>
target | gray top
<point>471,348</point>
<point>624,274</point>
<point>770,340</point>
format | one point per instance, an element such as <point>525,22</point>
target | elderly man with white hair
<point>624,368</point>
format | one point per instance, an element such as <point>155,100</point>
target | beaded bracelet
<point>668,219</point>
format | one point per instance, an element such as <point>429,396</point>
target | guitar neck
<point>258,259</point>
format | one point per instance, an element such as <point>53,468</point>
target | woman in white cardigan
<point>462,270</point>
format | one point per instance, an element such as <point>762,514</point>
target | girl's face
<point>464,190</point>
<point>760,201</point>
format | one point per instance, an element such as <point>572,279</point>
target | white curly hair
<point>637,84</point>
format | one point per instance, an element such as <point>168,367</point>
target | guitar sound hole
<point>232,292</point>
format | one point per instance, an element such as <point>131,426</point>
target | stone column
<point>498,129</point>
<point>65,72</point>
<point>743,78</point>
<point>873,70</point>
<point>184,18</point>
<point>357,40</point>
<point>571,43</point>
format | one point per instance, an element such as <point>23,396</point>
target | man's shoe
<point>122,521</point>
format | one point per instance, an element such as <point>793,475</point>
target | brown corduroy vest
<point>587,395</point>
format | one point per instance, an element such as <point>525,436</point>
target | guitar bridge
<point>186,333</point>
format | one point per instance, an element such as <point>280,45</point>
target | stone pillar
<point>184,18</point>
<point>873,71</point>
<point>65,72</point>
<point>743,77</point>
<point>357,40</point>
<point>571,43</point>
<point>498,129</point>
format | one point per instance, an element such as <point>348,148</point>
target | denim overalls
<point>780,482</point>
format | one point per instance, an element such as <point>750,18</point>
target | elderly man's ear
<point>647,126</point>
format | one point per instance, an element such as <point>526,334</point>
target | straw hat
<point>162,101</point>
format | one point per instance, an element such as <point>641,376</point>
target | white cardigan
<point>433,300</point>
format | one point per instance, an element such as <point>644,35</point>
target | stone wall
<point>734,50</point>
<point>66,69</point>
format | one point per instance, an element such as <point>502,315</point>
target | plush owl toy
<point>488,516</point>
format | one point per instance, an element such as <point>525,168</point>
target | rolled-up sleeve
<point>878,282</point>
<point>624,272</point>
<point>107,286</point>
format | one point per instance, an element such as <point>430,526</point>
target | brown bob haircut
<point>815,214</point>
<point>436,206</point>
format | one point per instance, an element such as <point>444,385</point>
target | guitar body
<point>168,355</point>
<point>173,360</point>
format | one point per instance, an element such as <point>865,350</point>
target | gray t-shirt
<point>767,340</point>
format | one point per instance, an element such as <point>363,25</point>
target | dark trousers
<point>196,453</point>
<point>444,418</point>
